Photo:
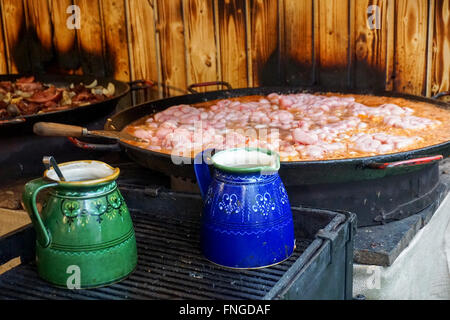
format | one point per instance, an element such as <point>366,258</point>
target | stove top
<point>171,266</point>
<point>375,245</point>
<point>378,245</point>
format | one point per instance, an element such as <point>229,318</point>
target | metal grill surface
<point>170,266</point>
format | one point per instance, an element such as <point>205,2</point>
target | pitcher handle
<point>29,196</point>
<point>202,173</point>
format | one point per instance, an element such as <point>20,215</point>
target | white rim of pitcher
<point>113,176</point>
<point>248,170</point>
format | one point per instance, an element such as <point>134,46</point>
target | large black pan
<point>308,172</point>
<point>379,188</point>
<point>91,111</point>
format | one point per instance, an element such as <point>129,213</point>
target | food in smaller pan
<point>299,126</point>
<point>26,96</point>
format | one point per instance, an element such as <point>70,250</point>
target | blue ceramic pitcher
<point>247,219</point>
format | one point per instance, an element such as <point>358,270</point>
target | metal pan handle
<point>95,147</point>
<point>406,163</point>
<point>208,84</point>
<point>442,94</point>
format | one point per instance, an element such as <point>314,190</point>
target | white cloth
<point>421,271</point>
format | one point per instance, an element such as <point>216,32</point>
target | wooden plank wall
<point>243,42</point>
<point>439,78</point>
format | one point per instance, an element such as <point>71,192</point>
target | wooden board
<point>440,66</point>
<point>244,42</point>
<point>200,40</point>
<point>11,220</point>
<point>142,45</point>
<point>371,43</point>
<point>116,41</point>
<point>3,52</point>
<point>10,265</point>
<point>390,47</point>
<point>298,42</point>
<point>265,53</point>
<point>411,18</point>
<point>40,34</point>
<point>173,49</point>
<point>142,40</point>
<point>232,35</point>
<point>14,25</point>
<point>64,39</point>
<point>333,36</point>
<point>91,38</point>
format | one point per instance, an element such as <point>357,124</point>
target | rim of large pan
<point>223,94</point>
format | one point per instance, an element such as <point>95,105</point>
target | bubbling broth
<point>300,127</point>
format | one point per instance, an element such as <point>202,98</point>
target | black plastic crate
<point>170,265</point>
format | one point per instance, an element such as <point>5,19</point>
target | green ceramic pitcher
<point>85,230</point>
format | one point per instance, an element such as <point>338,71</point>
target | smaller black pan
<point>24,124</point>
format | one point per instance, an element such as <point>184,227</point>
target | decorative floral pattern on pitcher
<point>230,204</point>
<point>109,206</point>
<point>71,208</point>
<point>209,196</point>
<point>283,195</point>
<point>264,204</point>
<point>114,199</point>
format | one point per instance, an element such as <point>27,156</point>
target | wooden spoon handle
<point>50,129</point>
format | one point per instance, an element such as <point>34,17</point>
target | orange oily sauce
<point>429,136</point>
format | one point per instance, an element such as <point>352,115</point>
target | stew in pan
<point>299,126</point>
<point>26,96</point>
